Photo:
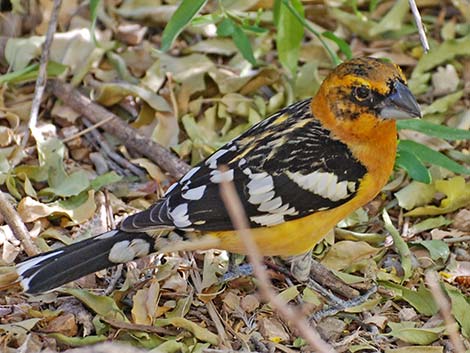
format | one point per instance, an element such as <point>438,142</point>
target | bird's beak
<point>400,104</point>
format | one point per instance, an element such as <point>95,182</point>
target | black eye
<point>361,93</point>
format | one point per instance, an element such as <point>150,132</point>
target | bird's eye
<point>361,93</point>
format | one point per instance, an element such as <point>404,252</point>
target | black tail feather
<point>57,267</point>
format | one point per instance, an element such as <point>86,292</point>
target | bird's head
<point>363,94</point>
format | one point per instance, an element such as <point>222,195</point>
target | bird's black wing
<point>284,168</point>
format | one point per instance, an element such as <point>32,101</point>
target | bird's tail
<point>54,268</point>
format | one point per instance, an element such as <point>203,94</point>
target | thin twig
<point>419,25</point>
<point>88,129</point>
<point>174,102</point>
<point>126,134</point>
<point>460,239</point>
<point>106,148</point>
<point>42,74</point>
<point>445,309</point>
<point>13,219</point>
<point>138,327</point>
<point>211,309</point>
<point>239,220</point>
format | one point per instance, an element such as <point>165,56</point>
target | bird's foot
<point>305,269</point>
<point>235,272</point>
<point>338,295</point>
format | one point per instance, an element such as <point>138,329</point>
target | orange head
<point>363,95</point>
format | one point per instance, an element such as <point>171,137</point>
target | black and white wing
<point>286,167</point>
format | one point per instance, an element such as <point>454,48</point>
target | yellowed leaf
<point>145,303</point>
<point>458,195</point>
<point>345,253</point>
<point>31,210</point>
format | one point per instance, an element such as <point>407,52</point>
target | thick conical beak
<point>400,104</point>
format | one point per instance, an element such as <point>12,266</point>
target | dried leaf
<point>198,331</point>
<point>457,195</point>
<point>346,253</point>
<point>408,332</point>
<point>145,303</point>
<point>102,305</point>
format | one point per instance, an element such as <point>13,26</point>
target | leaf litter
<point>204,91</point>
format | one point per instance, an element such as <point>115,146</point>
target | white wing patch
<point>218,177</point>
<point>324,184</point>
<point>125,251</point>
<point>260,183</point>
<point>268,219</point>
<point>262,194</point>
<point>195,193</point>
<point>172,186</point>
<point>212,160</point>
<point>189,174</point>
<point>180,216</point>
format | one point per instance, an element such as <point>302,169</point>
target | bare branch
<point>115,126</point>
<point>13,219</point>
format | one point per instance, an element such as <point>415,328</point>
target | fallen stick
<point>129,136</point>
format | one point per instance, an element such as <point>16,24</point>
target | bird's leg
<point>235,271</point>
<point>305,269</point>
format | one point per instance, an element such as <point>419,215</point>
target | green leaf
<point>243,44</point>
<point>226,27</point>
<point>254,29</point>
<point>413,166</point>
<point>342,44</point>
<point>289,35</point>
<point>435,130</point>
<point>421,299</point>
<point>393,20</point>
<point>78,341</point>
<point>429,223</point>
<point>94,15</point>
<point>406,331</point>
<point>460,308</point>
<point>437,249</point>
<point>442,105</point>
<point>400,245</point>
<point>206,19</point>
<point>428,155</point>
<point>104,180</point>
<point>334,57</point>
<point>71,185</point>
<point>199,332</point>
<point>182,16</point>
<point>102,305</point>
<point>30,73</point>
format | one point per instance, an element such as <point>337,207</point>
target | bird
<point>297,173</point>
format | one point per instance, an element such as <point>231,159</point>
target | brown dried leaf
<point>64,324</point>
<point>273,330</point>
<point>145,304</point>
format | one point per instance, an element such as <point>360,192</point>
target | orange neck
<point>372,140</point>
